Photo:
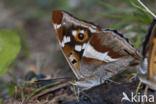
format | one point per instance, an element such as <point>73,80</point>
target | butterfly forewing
<point>73,35</point>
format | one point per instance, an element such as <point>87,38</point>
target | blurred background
<point>40,52</point>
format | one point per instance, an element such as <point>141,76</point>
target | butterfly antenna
<point>147,9</point>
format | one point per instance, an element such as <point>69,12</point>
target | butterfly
<point>93,53</point>
<point>148,63</point>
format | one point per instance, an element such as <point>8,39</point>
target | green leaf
<point>11,90</point>
<point>43,87</point>
<point>9,48</point>
<point>22,95</point>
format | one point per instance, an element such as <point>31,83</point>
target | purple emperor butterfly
<point>94,54</point>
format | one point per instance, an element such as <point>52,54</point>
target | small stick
<point>50,90</point>
<point>147,9</point>
<point>137,90</point>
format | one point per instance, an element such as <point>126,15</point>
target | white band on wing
<point>90,52</point>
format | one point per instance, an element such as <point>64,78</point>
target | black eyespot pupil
<point>81,36</point>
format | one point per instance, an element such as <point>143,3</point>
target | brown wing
<point>68,29</point>
<point>98,48</point>
<point>66,20</point>
<point>152,52</point>
<point>108,50</point>
<point>148,38</point>
<point>114,43</point>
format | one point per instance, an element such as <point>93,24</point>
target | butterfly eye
<point>81,36</point>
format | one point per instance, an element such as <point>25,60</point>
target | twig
<point>137,90</point>
<point>147,9</point>
<point>50,90</point>
<point>135,5</point>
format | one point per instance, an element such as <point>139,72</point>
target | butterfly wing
<point>106,54</point>
<point>110,51</point>
<point>91,51</point>
<point>148,63</point>
<point>73,34</point>
<point>148,49</point>
<point>152,54</point>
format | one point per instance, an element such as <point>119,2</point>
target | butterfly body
<point>94,54</point>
